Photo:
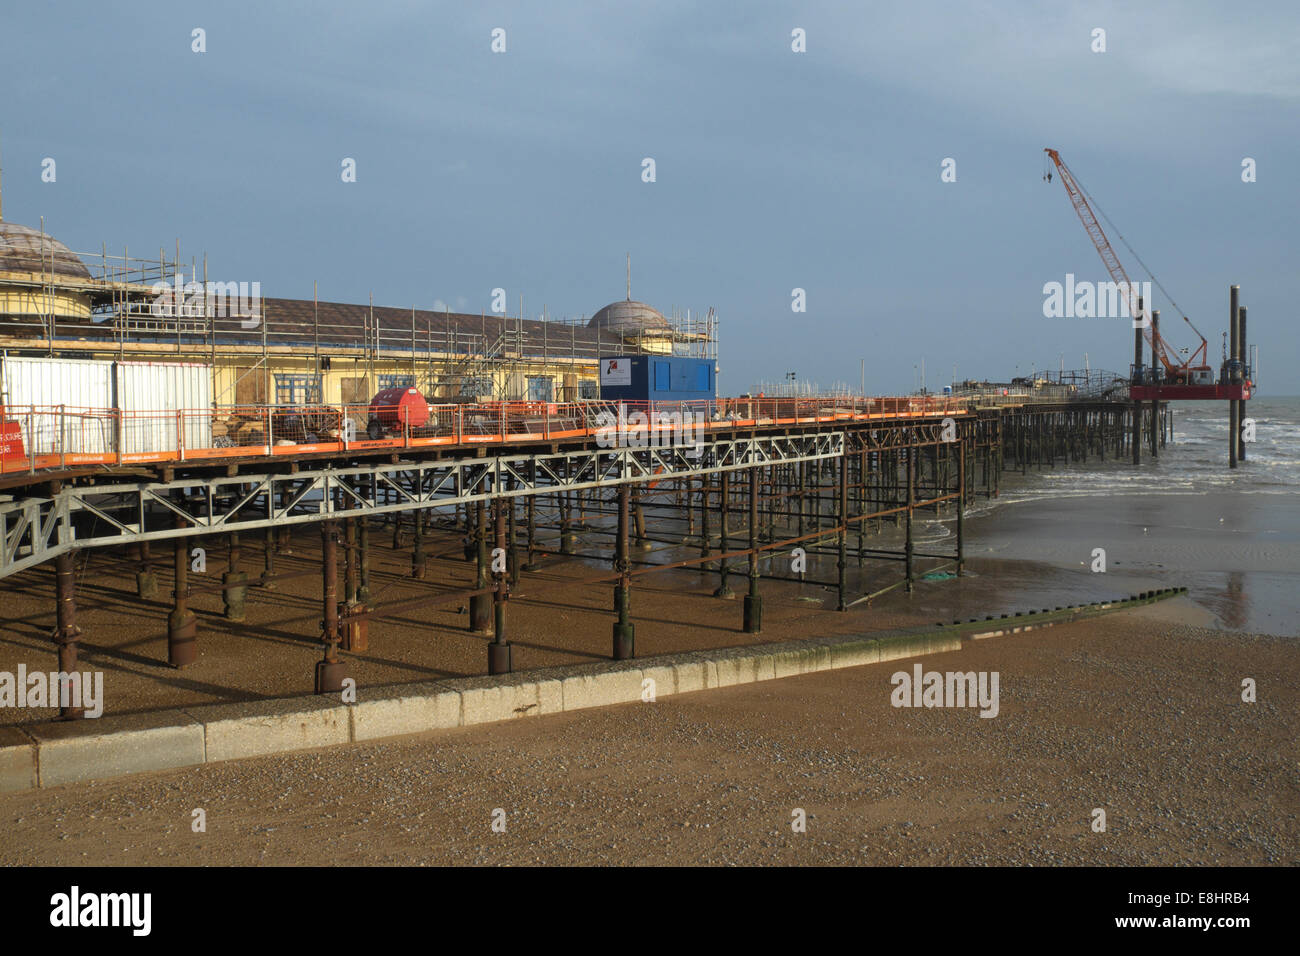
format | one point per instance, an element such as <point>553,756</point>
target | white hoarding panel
<point>160,400</point>
<point>84,390</point>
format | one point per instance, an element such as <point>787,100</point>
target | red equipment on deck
<point>399,407</point>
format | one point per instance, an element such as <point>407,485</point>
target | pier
<point>758,480</point>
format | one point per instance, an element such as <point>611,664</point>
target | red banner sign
<point>11,442</point>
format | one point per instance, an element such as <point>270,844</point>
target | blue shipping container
<point>656,378</point>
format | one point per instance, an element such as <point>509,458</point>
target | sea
<point>1184,519</point>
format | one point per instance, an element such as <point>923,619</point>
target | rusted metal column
<point>911,500</point>
<point>753,601</point>
<point>330,672</point>
<point>705,534</point>
<point>624,630</point>
<point>961,510</point>
<point>499,649</point>
<point>843,563</point>
<point>1234,412</point>
<point>66,633</point>
<point>418,558</point>
<point>363,561</point>
<point>480,605</point>
<point>531,565</point>
<point>146,582</point>
<point>861,497</point>
<point>285,543</point>
<point>268,559</point>
<point>799,484</point>
<point>638,518</point>
<point>1243,355</point>
<point>567,537</point>
<point>723,545</point>
<point>512,548</point>
<point>1154,436</point>
<point>684,500</point>
<point>234,583</point>
<point>1137,377</point>
<point>182,625</point>
<point>349,561</point>
<point>355,629</point>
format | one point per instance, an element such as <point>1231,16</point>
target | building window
<point>588,388</point>
<point>541,388</point>
<point>297,390</point>
<point>477,387</point>
<point>395,381</point>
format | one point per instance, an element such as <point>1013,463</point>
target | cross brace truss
<point>34,530</point>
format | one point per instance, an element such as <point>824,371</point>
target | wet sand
<point>1021,556</point>
<point>1238,554</point>
<point>1133,713</point>
<point>554,617</point>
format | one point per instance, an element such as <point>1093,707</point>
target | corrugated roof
<point>304,323</point>
<point>344,324</point>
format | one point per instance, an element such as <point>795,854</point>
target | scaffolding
<point>163,309</point>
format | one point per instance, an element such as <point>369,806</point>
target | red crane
<point>1195,370</point>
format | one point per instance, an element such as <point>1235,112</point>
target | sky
<point>775,170</point>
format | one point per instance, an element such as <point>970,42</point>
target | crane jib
<point>1159,345</point>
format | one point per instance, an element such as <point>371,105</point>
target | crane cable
<point>1133,251</point>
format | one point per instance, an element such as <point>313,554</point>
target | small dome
<point>629,318</point>
<point>23,249</point>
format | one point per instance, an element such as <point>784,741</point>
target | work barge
<point>735,485</point>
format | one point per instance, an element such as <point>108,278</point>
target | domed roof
<point>23,249</point>
<point>629,317</point>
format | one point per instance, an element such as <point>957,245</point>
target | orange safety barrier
<point>35,438</point>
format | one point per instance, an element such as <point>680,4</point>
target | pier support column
<point>363,561</point>
<point>1137,380</point>
<point>531,564</point>
<point>1154,437</point>
<point>268,559</point>
<point>638,518</point>
<point>66,633</point>
<point>843,563</point>
<point>355,630</point>
<point>624,630</point>
<point>234,583</point>
<point>961,508</point>
<point>753,601</point>
<point>512,546</point>
<point>723,544</point>
<point>182,625</point>
<point>499,650</point>
<point>480,605</point>
<point>567,537</point>
<point>146,582</point>
<point>419,561</point>
<point>705,533</point>
<point>1234,422</point>
<point>330,672</point>
<point>909,546</point>
<point>1243,355</point>
<point>284,543</point>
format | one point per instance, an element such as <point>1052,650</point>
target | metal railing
<point>40,437</point>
